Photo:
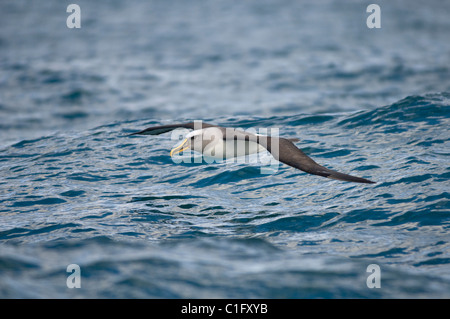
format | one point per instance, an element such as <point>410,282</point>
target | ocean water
<point>75,188</point>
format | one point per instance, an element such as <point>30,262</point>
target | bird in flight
<point>220,142</point>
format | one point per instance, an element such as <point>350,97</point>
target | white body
<point>210,142</point>
<point>229,149</point>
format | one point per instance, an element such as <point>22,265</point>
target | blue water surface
<point>75,188</point>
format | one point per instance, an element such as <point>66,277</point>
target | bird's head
<point>193,141</point>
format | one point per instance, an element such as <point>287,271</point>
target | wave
<point>86,186</point>
<point>430,109</point>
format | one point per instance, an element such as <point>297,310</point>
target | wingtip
<point>143,132</point>
<point>135,133</point>
<point>363,181</point>
<point>348,178</point>
<point>368,182</point>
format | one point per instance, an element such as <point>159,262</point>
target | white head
<point>197,140</point>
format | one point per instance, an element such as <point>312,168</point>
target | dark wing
<point>156,130</point>
<point>285,151</point>
<point>293,156</point>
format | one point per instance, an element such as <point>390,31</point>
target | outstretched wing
<point>285,151</point>
<point>293,156</point>
<point>156,130</point>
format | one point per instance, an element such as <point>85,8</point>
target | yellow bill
<point>180,148</point>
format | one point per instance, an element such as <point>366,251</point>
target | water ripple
<point>76,188</point>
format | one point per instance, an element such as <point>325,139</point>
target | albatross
<point>220,142</point>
